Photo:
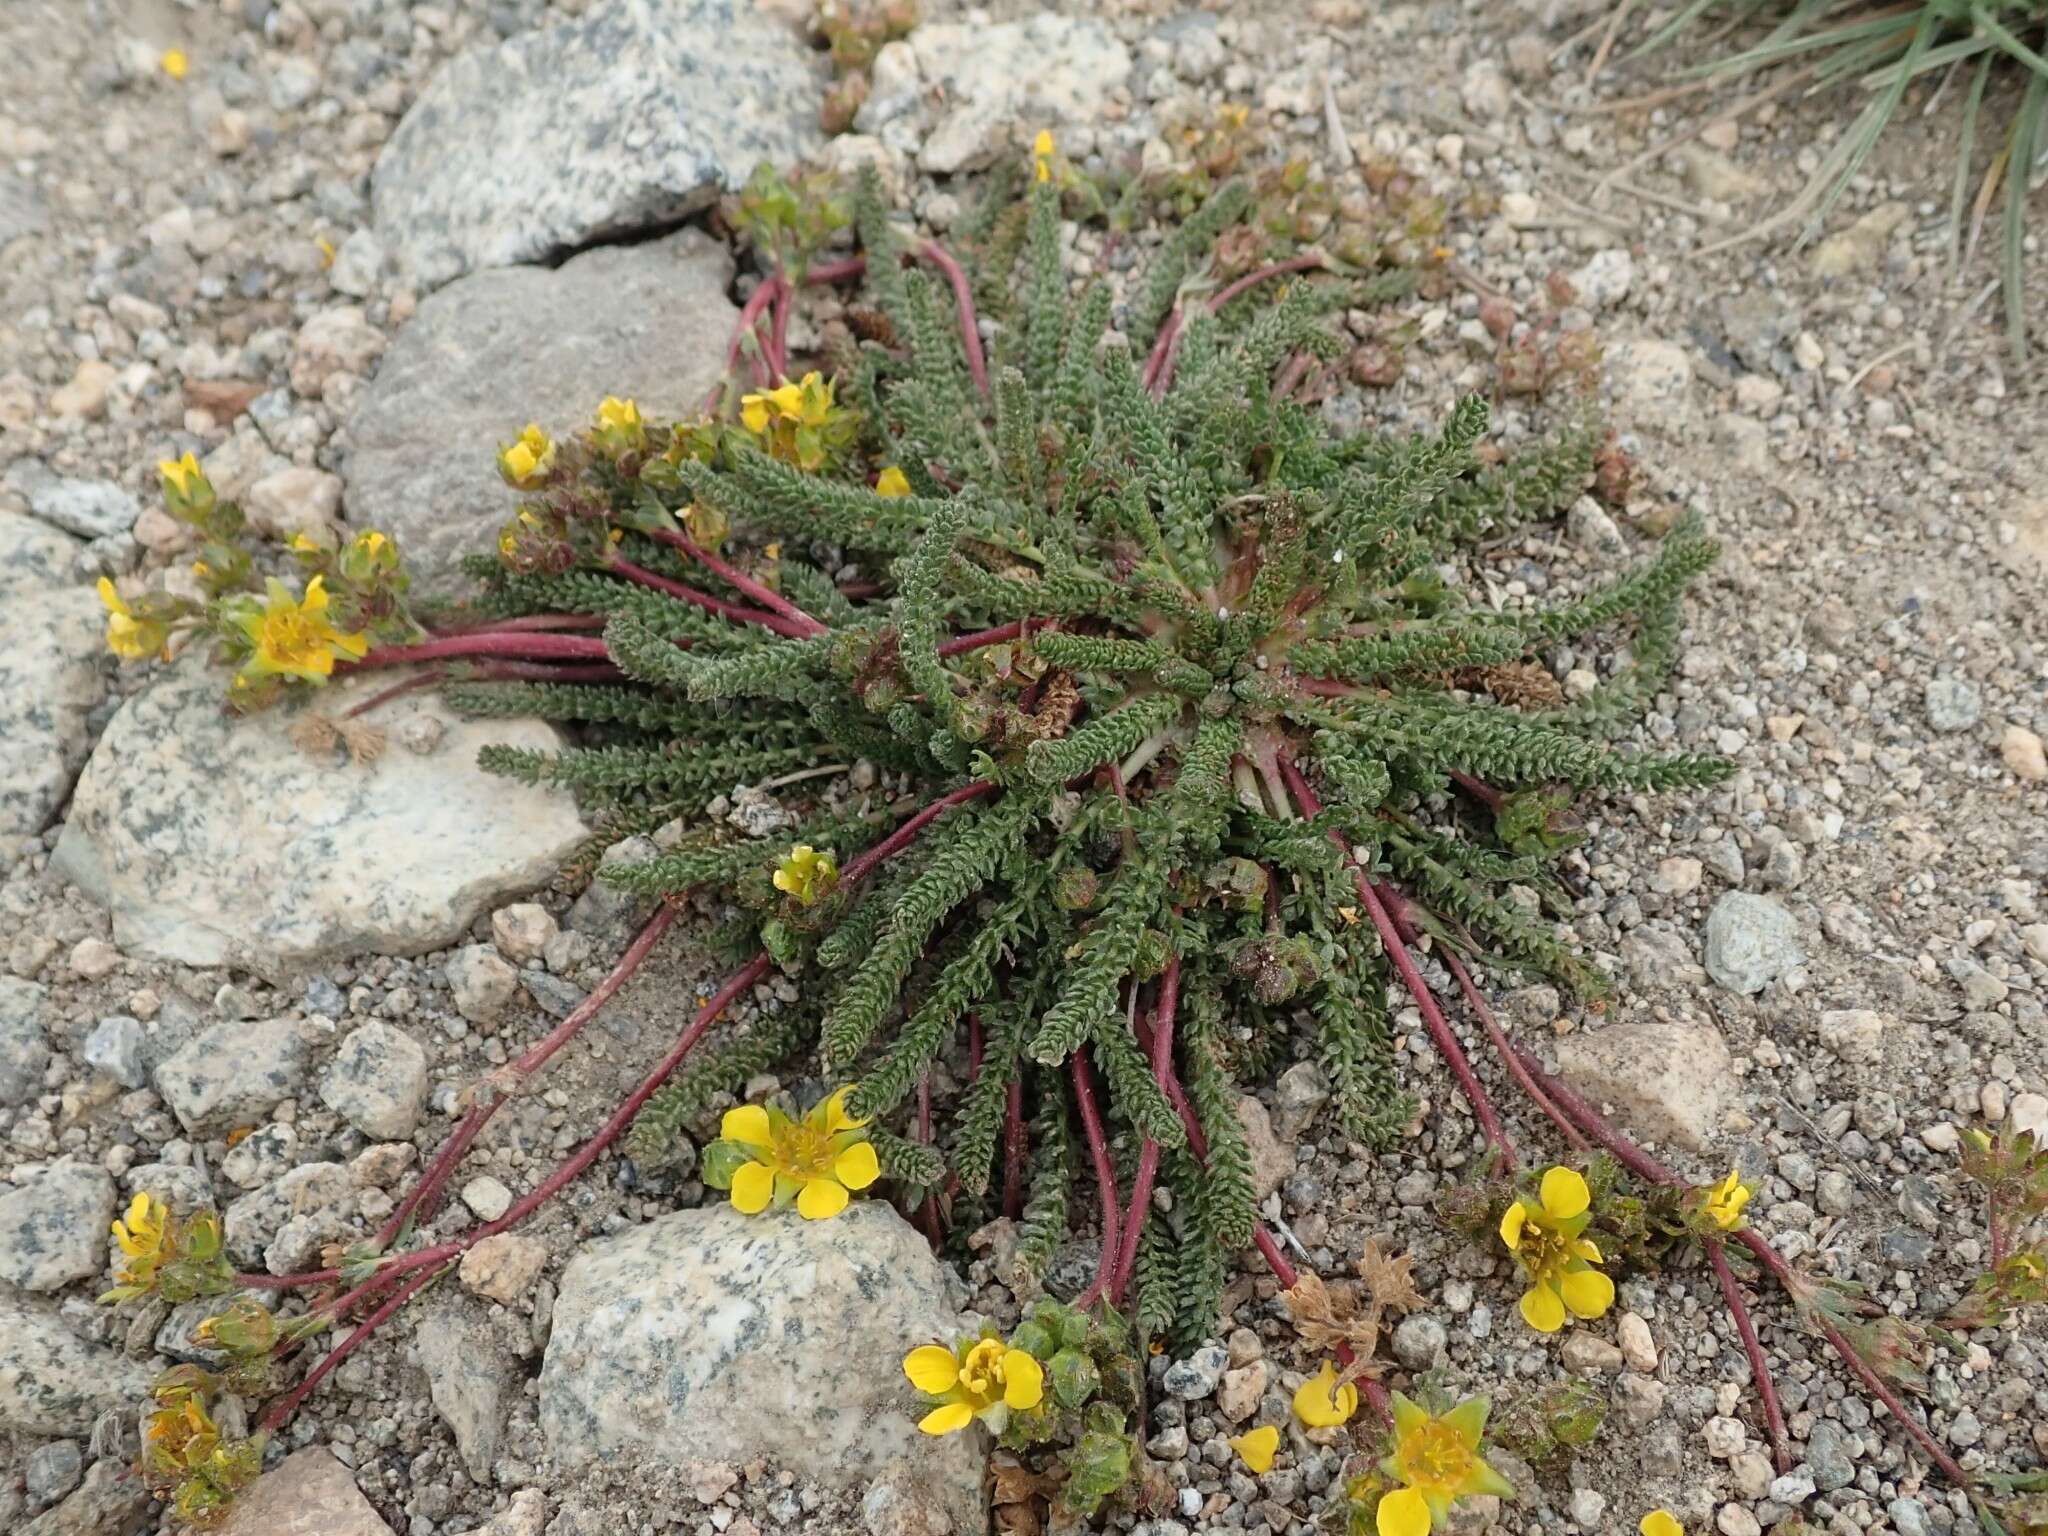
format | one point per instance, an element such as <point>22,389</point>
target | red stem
<point>525,645</point>
<point>399,689</point>
<point>1997,1231</point>
<point>1016,1150</point>
<point>1158,375</point>
<point>1148,1153</point>
<point>960,644</point>
<point>963,296</point>
<point>836,271</point>
<point>279,1412</point>
<point>1476,1001</point>
<point>1647,1167</point>
<point>778,330</point>
<point>507,1081</point>
<point>740,581</point>
<point>718,605</point>
<point>1105,1175</point>
<point>542,622</point>
<point>1759,1367</point>
<point>906,834</point>
<point>1397,950</point>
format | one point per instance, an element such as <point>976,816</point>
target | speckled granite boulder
<point>235,1073</point>
<point>53,1227</point>
<point>1668,1079</point>
<point>712,1336</point>
<point>485,356</point>
<point>50,677</point>
<point>215,840</point>
<point>632,116</point>
<point>54,1383</point>
<point>24,1048</point>
<point>378,1081</point>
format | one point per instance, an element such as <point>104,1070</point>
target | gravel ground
<point>1870,649</point>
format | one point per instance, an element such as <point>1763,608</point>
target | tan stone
<point>310,1494</point>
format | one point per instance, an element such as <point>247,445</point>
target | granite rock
<point>377,1082</point>
<point>110,1501</point>
<point>1668,1079</point>
<point>88,509</point>
<point>24,1050</point>
<point>176,827</point>
<point>234,1073</point>
<point>646,322</point>
<point>630,117</point>
<point>1750,942</point>
<point>51,642</point>
<point>705,1334</point>
<point>54,1383</point>
<point>309,1494</point>
<point>470,1376</point>
<point>53,1227</point>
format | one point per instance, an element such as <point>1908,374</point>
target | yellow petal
<point>892,482</point>
<point>1565,1194</point>
<point>836,1117</point>
<point>1587,1249</point>
<point>1257,1447</point>
<point>1543,1309</point>
<point>1023,1380</point>
<point>1511,1224</point>
<point>112,599</point>
<point>753,1186</point>
<point>746,1124</point>
<point>857,1167</point>
<point>946,1418</point>
<point>931,1368</point>
<point>754,417</point>
<point>1404,1512</point>
<point>1319,1403</point>
<point>821,1198</point>
<point>1587,1292</point>
<point>1660,1522</point>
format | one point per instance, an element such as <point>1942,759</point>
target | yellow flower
<point>807,874</point>
<point>619,425</point>
<point>1724,1202</point>
<point>128,637</point>
<point>1257,1446</point>
<point>1041,155</point>
<point>142,1230</point>
<point>526,462</point>
<point>293,637</point>
<point>174,63</point>
<point>982,1379</point>
<point>1660,1522</point>
<point>1437,1462</point>
<point>754,413</point>
<point>892,482</point>
<point>1319,1402</point>
<point>187,491</point>
<point>1545,1238</point>
<point>817,1159</point>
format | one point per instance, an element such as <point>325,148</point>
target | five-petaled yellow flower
<point>808,874</point>
<point>1257,1446</point>
<point>128,637</point>
<point>1724,1202</point>
<point>1546,1239</point>
<point>982,1379</point>
<point>527,461</point>
<point>892,482</point>
<point>619,424</point>
<point>816,1159</point>
<point>293,637</point>
<point>1041,155</point>
<point>1319,1402</point>
<point>1437,1462</point>
<point>1660,1522</point>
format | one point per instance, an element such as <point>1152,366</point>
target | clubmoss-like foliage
<point>1134,603</point>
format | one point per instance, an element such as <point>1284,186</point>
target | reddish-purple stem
<point>963,296</point>
<point>1163,1011</point>
<point>1158,375</point>
<point>740,581</point>
<point>524,645</point>
<point>778,328</point>
<point>1404,964</point>
<point>961,644</point>
<point>718,605</point>
<point>1016,1150</point>
<point>906,834</point>
<point>1105,1175</point>
<point>397,690</point>
<point>1476,1001</point>
<point>1644,1166</point>
<point>762,296</point>
<point>279,1412</point>
<point>530,622</point>
<point>1759,1367</point>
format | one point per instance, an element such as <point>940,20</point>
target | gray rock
<point>54,1383</point>
<point>52,1470</point>
<point>308,1494</point>
<point>1750,942</point>
<point>705,1334</point>
<point>1419,1342</point>
<point>24,1052</point>
<point>1953,704</point>
<point>53,1229</point>
<point>234,1073</point>
<point>609,914</point>
<point>22,209</point>
<point>470,1376</point>
<point>632,116</point>
<point>181,1186</point>
<point>1666,1077</point>
<point>1830,1455</point>
<point>115,1047</point>
<point>1909,1515</point>
<point>112,1501</point>
<point>378,1082</point>
<point>51,642</point>
<point>1300,1091</point>
<point>1197,1376</point>
<point>482,981</point>
<point>1591,528</point>
<point>281,1226</point>
<point>90,509</point>
<point>264,1154</point>
<point>175,827</point>
<point>645,322</point>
